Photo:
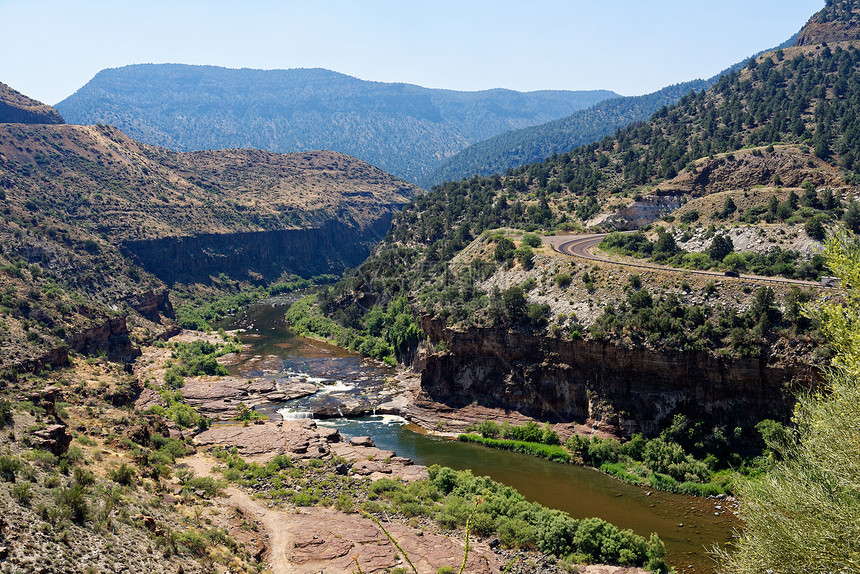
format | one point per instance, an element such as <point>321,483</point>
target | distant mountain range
<point>404,129</point>
<point>528,145</point>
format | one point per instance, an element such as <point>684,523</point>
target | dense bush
<point>666,322</point>
<point>5,412</point>
<point>388,334</point>
<point>9,466</point>
<point>720,254</point>
<point>554,453</point>
<point>195,359</point>
<point>688,457</point>
<point>522,523</point>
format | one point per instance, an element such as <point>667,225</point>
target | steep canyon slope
<point>96,226</point>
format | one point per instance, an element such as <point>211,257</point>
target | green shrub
<point>556,532</point>
<point>552,452</point>
<point>22,493</point>
<point>210,486</point>
<point>5,412</point>
<point>123,475</point>
<point>192,542</point>
<point>516,532</point>
<point>74,499</point>
<point>9,465</point>
<point>531,240</point>
<point>83,476</point>
<point>488,429</point>
<point>619,470</point>
<point>662,482</point>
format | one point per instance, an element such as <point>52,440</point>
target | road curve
<point>581,246</point>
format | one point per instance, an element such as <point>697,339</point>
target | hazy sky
<point>50,48</point>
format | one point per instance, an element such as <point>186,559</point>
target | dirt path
<point>275,522</point>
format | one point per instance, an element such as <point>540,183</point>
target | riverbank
<point>302,443</point>
<point>687,525</point>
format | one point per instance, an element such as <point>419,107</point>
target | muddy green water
<point>688,525</point>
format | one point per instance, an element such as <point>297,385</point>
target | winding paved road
<point>581,246</point>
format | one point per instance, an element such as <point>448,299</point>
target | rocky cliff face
<point>152,304</point>
<point>838,21</point>
<point>16,108</point>
<point>622,390</point>
<point>258,256</point>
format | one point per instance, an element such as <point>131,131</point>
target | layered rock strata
<point>620,390</point>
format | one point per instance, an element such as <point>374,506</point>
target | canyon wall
<point>259,256</point>
<point>621,390</point>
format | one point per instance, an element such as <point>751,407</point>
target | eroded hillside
<point>95,226</point>
<point>15,107</point>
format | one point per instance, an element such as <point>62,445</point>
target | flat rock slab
<point>298,438</point>
<point>211,388</point>
<point>148,398</point>
<point>377,463</point>
<point>218,397</point>
<point>326,541</point>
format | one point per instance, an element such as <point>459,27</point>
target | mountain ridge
<point>836,22</point>
<point>96,227</point>
<point>535,143</point>
<point>401,128</point>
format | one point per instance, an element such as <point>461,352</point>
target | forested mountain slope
<point>403,129</point>
<point>784,126</point>
<point>536,143</point>
<point>527,145</point>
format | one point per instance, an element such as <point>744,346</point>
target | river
<point>687,525</point>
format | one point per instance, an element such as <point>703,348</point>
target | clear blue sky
<point>50,48</point>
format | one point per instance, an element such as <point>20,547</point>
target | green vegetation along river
<point>688,525</point>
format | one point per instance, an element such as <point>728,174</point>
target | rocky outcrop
<point>16,108</point>
<point>111,336</point>
<point>152,304</point>
<point>836,22</point>
<point>53,438</point>
<point>218,398</point>
<point>639,213</point>
<point>616,389</point>
<point>323,540</point>
<point>299,438</point>
<point>56,357</point>
<point>259,256</point>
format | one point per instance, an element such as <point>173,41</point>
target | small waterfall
<point>374,411</point>
<point>289,415</point>
<point>339,412</point>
